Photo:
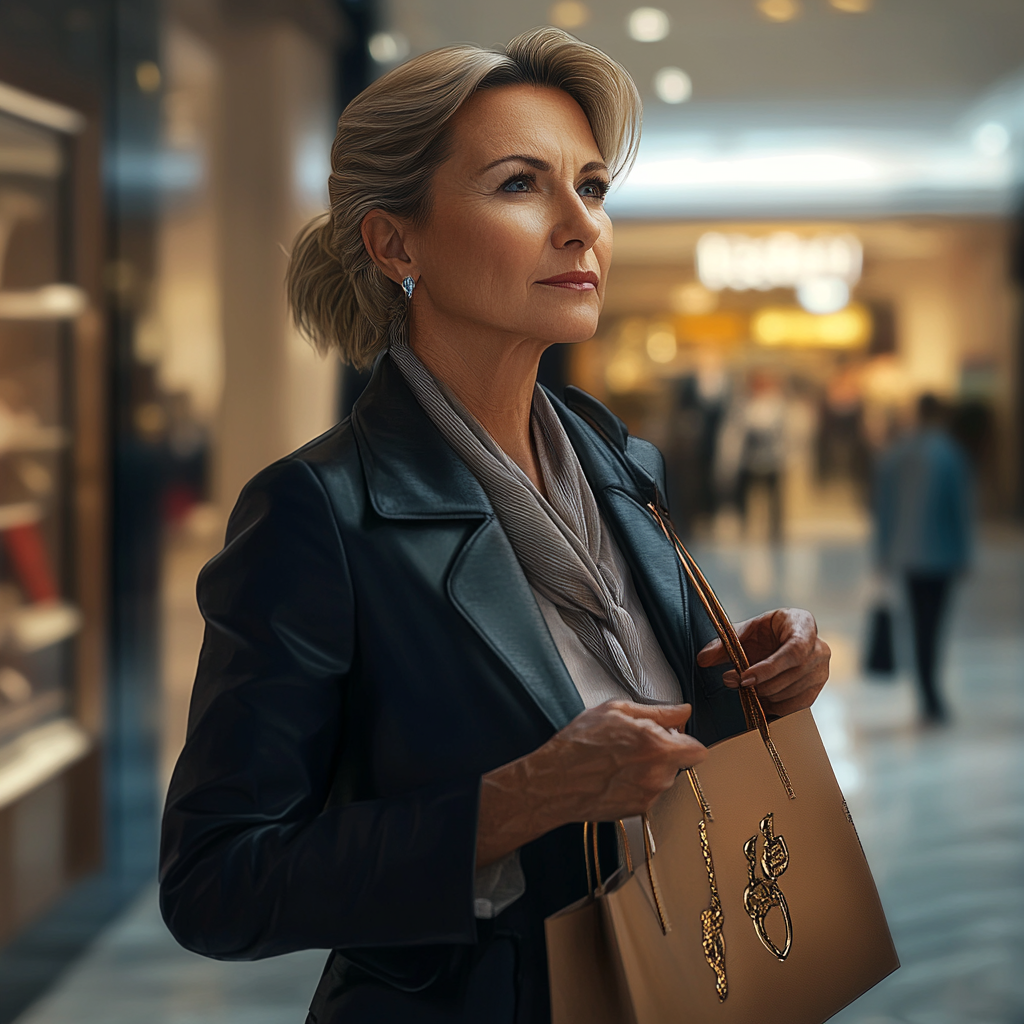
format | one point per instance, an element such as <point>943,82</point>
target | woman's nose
<point>576,226</point>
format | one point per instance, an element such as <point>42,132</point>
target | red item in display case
<point>27,551</point>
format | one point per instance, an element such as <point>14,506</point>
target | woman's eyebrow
<point>540,165</point>
<point>532,161</point>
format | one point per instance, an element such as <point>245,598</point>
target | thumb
<point>712,654</point>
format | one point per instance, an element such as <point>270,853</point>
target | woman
<point>447,632</point>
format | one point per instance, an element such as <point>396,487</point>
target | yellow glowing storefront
<point>924,305</point>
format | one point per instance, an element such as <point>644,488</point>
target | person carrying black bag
<point>923,505</point>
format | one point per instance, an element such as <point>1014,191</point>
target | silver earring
<point>408,284</point>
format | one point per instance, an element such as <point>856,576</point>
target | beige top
<point>500,884</point>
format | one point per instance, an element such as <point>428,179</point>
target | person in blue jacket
<point>923,516</point>
<point>449,631</point>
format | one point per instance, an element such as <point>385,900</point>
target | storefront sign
<point>792,327</point>
<point>779,260</point>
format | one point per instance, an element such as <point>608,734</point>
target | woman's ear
<point>384,238</point>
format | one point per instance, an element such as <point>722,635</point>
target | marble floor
<point>940,813</point>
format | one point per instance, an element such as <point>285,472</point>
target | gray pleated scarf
<point>557,540</point>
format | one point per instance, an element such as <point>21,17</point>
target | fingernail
<point>749,680</point>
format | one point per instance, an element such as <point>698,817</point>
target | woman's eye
<point>593,190</point>
<point>517,185</point>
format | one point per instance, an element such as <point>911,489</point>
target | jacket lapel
<point>412,473</point>
<point>489,588</point>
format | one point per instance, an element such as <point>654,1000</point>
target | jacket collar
<point>411,471</point>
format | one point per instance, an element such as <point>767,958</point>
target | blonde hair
<point>392,138</point>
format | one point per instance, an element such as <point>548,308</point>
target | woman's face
<point>517,239</point>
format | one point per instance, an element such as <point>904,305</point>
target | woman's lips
<point>577,280</point>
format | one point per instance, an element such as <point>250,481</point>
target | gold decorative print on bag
<point>763,894</point>
<point>712,921</point>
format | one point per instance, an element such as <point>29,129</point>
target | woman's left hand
<point>788,660</point>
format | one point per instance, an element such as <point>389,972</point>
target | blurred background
<point>823,226</point>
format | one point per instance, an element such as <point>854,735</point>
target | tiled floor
<point>941,815</point>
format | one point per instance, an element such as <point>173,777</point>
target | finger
<point>690,753</point>
<point>794,651</point>
<point>748,627</point>
<point>748,631</point>
<point>805,672</point>
<point>712,654</point>
<point>813,679</point>
<point>793,704</point>
<point>669,716</point>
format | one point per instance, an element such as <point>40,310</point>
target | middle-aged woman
<point>448,631</point>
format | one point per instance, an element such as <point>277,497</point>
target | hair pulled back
<point>392,138</point>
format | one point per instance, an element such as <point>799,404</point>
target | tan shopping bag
<point>753,902</point>
<point>587,983</point>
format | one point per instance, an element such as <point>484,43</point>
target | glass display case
<point>39,617</point>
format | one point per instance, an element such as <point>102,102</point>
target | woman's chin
<point>566,330</point>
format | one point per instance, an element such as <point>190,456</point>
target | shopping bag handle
<point>590,844</point>
<point>753,711</point>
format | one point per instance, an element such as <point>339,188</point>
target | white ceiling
<point>900,49</point>
<point>883,103</point>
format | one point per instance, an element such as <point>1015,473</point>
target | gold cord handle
<point>590,850</point>
<point>590,844</point>
<point>752,709</point>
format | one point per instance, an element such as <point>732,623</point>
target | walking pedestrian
<point>923,518</point>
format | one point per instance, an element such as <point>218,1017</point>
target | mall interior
<point>824,224</point>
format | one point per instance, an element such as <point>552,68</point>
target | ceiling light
<point>992,139</point>
<point>823,294</point>
<point>852,6</point>
<point>648,25</point>
<point>388,47</point>
<point>673,85</point>
<point>779,10</point>
<point>568,14</point>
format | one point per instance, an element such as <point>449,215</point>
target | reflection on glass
<point>37,619</point>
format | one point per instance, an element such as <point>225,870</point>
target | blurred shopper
<point>426,659</point>
<point>763,457</point>
<point>843,452</point>
<point>923,511</point>
<point>696,418</point>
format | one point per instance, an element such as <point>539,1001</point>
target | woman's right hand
<point>610,762</point>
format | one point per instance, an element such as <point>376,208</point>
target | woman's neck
<point>494,378</point>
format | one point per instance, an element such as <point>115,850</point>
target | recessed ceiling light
<point>648,25</point>
<point>569,14</point>
<point>388,47</point>
<point>779,10</point>
<point>673,85</point>
<point>852,6</point>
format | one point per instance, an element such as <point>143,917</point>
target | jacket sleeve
<point>255,859</point>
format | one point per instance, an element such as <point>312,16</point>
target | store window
<point>38,616</point>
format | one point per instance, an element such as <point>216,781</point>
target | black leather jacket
<point>372,648</point>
